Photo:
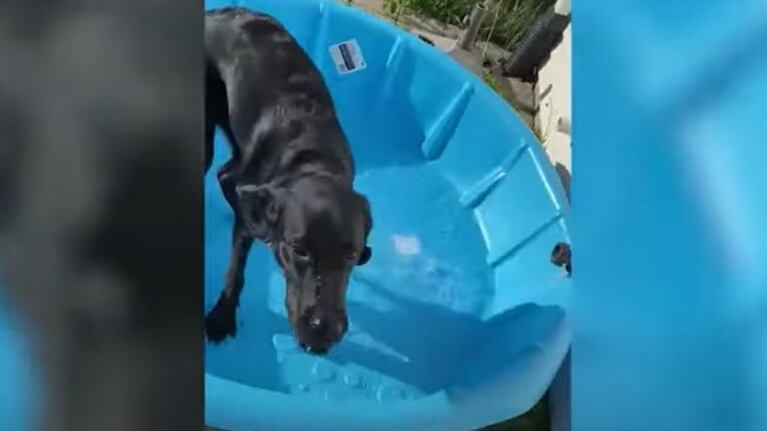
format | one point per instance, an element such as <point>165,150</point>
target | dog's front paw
<point>220,322</point>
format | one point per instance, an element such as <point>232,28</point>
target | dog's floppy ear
<point>367,252</point>
<point>365,256</point>
<point>260,206</point>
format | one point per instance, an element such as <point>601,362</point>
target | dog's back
<point>260,81</point>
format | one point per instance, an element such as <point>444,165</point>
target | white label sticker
<point>348,57</point>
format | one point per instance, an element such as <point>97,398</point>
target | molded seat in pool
<point>458,321</point>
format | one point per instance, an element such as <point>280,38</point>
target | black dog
<point>289,180</point>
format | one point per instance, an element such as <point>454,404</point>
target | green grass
<point>514,16</point>
<point>490,80</point>
<point>514,19</point>
<point>508,97</point>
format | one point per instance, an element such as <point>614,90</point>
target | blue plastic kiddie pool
<point>459,320</point>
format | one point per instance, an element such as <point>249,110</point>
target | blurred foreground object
<point>669,200</point>
<point>101,232</point>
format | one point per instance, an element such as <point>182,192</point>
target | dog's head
<point>318,232</point>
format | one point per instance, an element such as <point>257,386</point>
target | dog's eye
<point>300,252</point>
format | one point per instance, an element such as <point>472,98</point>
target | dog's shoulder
<point>241,18</point>
<point>250,27</point>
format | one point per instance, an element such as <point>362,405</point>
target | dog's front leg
<point>221,321</point>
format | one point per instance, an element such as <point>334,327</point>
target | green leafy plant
<point>391,6</point>
<point>395,8</point>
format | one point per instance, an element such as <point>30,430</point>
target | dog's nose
<point>332,329</point>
